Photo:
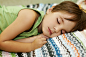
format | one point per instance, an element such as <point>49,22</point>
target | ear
<point>49,10</point>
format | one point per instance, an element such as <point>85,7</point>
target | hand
<point>38,42</point>
<point>43,36</point>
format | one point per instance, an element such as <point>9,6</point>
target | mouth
<point>49,31</point>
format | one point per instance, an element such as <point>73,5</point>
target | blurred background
<point>26,2</point>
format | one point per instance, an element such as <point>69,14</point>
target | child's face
<point>56,23</point>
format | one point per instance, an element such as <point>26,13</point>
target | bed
<point>65,45</point>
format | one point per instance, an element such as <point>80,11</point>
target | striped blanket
<point>65,45</point>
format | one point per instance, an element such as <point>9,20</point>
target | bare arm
<point>23,22</point>
<point>31,39</point>
<point>27,40</point>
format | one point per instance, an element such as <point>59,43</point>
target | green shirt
<point>10,13</point>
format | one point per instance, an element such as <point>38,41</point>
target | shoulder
<point>28,17</point>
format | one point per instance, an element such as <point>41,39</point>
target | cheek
<point>55,34</point>
<point>69,25</point>
<point>45,30</point>
<point>72,24</point>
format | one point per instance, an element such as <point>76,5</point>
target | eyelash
<point>58,21</point>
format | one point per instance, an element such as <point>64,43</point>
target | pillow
<point>65,45</point>
<point>41,6</point>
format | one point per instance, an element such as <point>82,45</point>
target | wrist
<point>32,46</point>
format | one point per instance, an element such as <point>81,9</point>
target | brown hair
<point>72,8</point>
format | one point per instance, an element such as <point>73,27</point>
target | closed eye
<point>58,21</point>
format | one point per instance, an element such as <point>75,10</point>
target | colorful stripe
<point>71,45</point>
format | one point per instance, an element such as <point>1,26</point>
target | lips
<point>49,31</point>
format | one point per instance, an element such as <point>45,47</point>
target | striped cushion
<point>65,45</point>
<point>41,6</point>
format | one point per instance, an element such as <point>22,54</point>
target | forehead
<point>65,14</point>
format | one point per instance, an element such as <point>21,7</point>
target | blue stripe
<point>56,47</point>
<point>37,52</point>
<point>53,49</point>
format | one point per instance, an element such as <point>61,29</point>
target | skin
<point>56,23</point>
<point>24,22</point>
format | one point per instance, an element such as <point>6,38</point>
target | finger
<point>43,39</point>
<point>44,36</point>
<point>44,42</point>
<point>39,37</point>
